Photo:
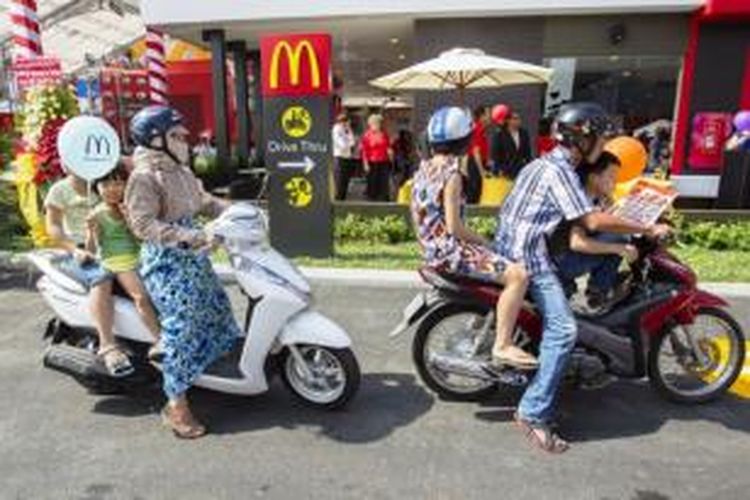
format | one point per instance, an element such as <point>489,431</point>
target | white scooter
<point>281,330</point>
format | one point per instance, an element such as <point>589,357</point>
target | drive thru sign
<point>296,84</point>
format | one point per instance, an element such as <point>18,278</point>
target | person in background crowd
<point>658,149</point>
<point>205,146</point>
<point>643,139</point>
<point>544,141</point>
<point>403,153</point>
<point>343,154</point>
<point>377,157</point>
<point>478,166</point>
<point>740,140</point>
<point>498,117</point>
<point>512,147</point>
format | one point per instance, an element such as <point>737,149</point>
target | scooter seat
<point>48,262</point>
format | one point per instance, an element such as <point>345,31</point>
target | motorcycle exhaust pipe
<point>73,361</point>
<point>84,366</point>
<point>477,369</point>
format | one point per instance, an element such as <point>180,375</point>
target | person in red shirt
<point>377,157</point>
<point>544,141</point>
<point>479,149</point>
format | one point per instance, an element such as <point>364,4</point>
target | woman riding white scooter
<point>162,198</point>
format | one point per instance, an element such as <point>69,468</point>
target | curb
<point>411,279</point>
<point>374,278</point>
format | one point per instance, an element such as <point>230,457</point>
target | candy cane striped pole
<point>27,40</point>
<point>157,66</point>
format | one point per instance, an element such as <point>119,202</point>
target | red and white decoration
<point>27,40</point>
<point>157,66</point>
<point>30,72</point>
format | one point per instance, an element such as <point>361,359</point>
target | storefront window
<point>638,90</point>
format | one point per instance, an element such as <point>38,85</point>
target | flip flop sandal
<point>116,361</point>
<point>182,430</point>
<point>551,442</point>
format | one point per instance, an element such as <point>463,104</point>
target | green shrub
<point>716,236</point>
<point>734,236</point>
<point>388,229</point>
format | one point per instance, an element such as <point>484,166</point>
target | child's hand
<point>83,256</point>
<point>91,224</point>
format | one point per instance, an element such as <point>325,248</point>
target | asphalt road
<point>395,441</point>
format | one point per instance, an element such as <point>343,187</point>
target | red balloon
<point>499,113</point>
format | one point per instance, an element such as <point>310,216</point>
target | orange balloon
<point>632,155</point>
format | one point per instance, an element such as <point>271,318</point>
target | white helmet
<point>449,124</point>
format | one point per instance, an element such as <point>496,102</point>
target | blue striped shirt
<point>546,192</point>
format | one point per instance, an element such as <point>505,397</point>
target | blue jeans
<point>89,275</point>
<point>558,339</point>
<point>602,268</point>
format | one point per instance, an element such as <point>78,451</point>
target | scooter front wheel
<point>320,376</point>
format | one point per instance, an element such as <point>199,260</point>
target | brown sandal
<point>550,443</point>
<point>181,429</point>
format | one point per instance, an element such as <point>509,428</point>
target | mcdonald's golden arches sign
<point>296,65</point>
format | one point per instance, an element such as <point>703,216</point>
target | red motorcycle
<point>682,338</point>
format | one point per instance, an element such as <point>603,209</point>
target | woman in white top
<point>343,154</point>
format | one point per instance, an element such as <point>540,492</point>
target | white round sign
<point>89,147</point>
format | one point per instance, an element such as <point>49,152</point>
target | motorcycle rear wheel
<point>698,381</point>
<point>448,386</point>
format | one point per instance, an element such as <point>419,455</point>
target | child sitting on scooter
<point>108,235</point>
<point>598,254</point>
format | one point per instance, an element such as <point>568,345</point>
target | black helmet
<point>580,120</point>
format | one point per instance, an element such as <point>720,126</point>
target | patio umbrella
<point>463,69</point>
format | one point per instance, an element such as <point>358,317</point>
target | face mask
<point>182,151</point>
<point>179,148</point>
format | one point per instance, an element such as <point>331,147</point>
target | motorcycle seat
<point>442,279</point>
<point>487,288</point>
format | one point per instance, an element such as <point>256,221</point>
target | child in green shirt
<point>107,233</point>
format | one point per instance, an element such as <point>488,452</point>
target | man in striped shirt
<point>546,192</point>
